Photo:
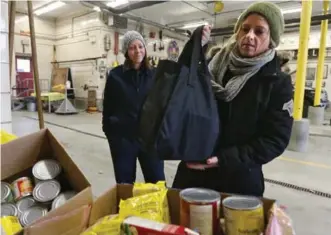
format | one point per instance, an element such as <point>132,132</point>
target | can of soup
<point>200,210</point>
<point>48,169</point>
<point>25,203</point>
<point>8,209</point>
<point>243,215</point>
<point>6,192</point>
<point>32,214</point>
<point>22,187</point>
<point>62,199</point>
<point>46,191</point>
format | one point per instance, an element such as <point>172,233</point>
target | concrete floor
<point>89,149</point>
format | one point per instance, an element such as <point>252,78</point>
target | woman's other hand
<point>211,163</point>
<point>206,34</point>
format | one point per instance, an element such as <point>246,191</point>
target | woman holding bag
<point>125,91</point>
<point>255,106</point>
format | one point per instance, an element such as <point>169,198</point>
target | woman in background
<point>126,88</point>
<point>255,102</point>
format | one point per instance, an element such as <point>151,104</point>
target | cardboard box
<point>108,203</point>
<point>19,156</point>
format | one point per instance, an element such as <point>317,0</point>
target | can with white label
<point>46,191</point>
<point>200,210</point>
<point>47,169</point>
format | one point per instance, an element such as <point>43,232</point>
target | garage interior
<point>79,42</point>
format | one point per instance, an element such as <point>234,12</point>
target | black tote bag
<point>179,119</point>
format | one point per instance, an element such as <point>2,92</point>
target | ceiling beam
<point>126,8</point>
<point>291,23</point>
<point>183,34</point>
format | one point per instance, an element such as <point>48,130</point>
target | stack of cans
<point>29,203</point>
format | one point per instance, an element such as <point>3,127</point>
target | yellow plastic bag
<point>9,225</point>
<point>153,206</point>
<point>144,188</point>
<point>108,225</point>
<point>5,137</point>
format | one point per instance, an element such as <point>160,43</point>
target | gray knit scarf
<point>241,68</point>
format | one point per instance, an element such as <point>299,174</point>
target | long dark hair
<point>144,64</point>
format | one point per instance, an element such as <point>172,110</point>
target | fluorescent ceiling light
<point>117,3</point>
<point>50,7</point>
<point>289,11</point>
<point>97,9</point>
<point>194,25</point>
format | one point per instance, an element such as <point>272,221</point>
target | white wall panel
<point>4,48</point>
<point>5,107</point>
<point>7,127</point>
<point>45,39</point>
<point>4,17</point>
<point>43,27</point>
<point>4,70</point>
<point>78,48</point>
<point>5,96</point>
<point>290,41</point>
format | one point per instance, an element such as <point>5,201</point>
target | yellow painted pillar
<point>302,58</point>
<point>321,56</point>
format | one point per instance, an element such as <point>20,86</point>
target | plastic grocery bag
<point>110,225</point>
<point>9,225</point>
<point>6,137</point>
<point>152,206</point>
<point>279,222</point>
<point>144,188</point>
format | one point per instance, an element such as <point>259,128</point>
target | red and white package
<point>140,226</point>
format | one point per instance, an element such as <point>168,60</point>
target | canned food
<point>243,215</point>
<point>46,191</point>
<point>32,214</point>
<point>62,199</point>
<point>46,170</point>
<point>200,210</point>
<point>25,203</point>
<point>22,187</point>
<point>8,209</point>
<point>6,192</point>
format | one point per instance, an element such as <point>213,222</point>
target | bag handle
<point>197,54</point>
<point>192,53</point>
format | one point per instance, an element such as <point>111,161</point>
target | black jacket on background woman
<point>124,94</point>
<point>125,91</point>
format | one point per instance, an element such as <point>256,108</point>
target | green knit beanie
<point>271,13</point>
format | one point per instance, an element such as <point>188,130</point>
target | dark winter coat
<point>124,94</point>
<point>255,129</point>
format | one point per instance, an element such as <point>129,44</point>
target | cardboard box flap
<point>71,169</point>
<point>82,198</point>
<point>21,153</point>
<point>104,205</point>
<point>107,204</point>
<point>57,225</point>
